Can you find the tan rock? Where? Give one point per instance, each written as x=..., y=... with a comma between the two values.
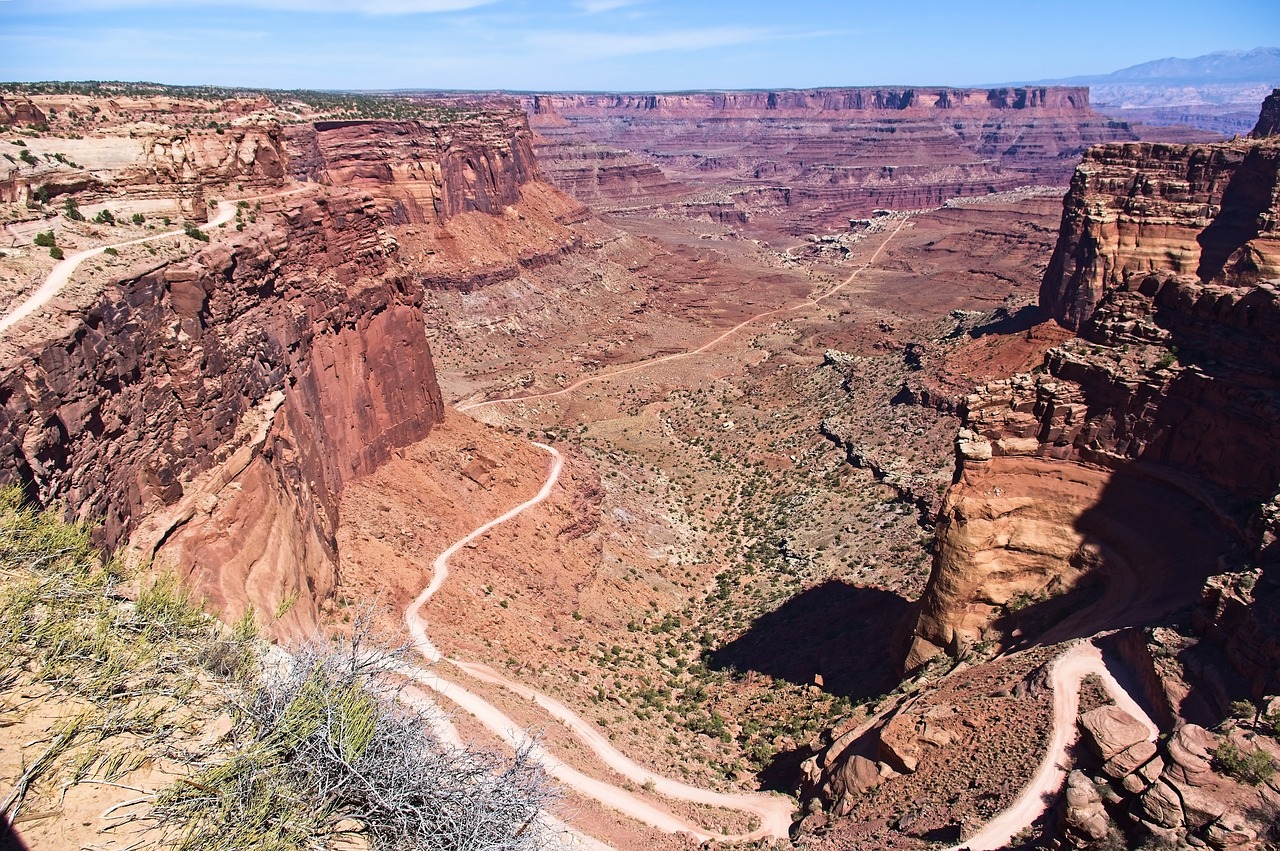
x=1110, y=730
x=1189, y=751
x=1130, y=759
x=1161, y=806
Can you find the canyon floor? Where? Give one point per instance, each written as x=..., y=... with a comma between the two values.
x=695, y=582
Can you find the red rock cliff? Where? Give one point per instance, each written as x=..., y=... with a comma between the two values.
x=140, y=410
x=1207, y=210
x=211, y=410
x=1105, y=491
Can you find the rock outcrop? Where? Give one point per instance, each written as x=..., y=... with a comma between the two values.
x=1104, y=491
x=811, y=159
x=1133, y=209
x=1269, y=119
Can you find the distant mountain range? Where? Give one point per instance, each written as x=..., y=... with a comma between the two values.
x=1219, y=92
x=1260, y=65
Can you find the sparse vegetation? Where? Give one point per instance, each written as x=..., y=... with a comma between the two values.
x=191, y=230
x=317, y=752
x=45, y=239
x=72, y=211
x=1254, y=767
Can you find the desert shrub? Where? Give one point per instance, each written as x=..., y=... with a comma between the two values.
x=193, y=231
x=322, y=746
x=138, y=218
x=1254, y=767
x=325, y=747
x=104, y=217
x=72, y=211
x=45, y=240
x=56, y=253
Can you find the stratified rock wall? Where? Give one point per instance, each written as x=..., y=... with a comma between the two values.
x=210, y=411
x=1207, y=210
x=1147, y=455
x=160, y=384
x=811, y=159
x=419, y=172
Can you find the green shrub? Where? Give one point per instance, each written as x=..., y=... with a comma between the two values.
x=191, y=230
x=45, y=240
x=56, y=253
x=72, y=211
x=104, y=217
x=138, y=218
x=1254, y=767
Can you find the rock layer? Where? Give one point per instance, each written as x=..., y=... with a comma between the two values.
x=811, y=158
x=1207, y=210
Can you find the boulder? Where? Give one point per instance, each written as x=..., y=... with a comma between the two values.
x=1110, y=730
x=1161, y=806
x=1085, y=813
x=1130, y=759
x=1189, y=754
x=857, y=775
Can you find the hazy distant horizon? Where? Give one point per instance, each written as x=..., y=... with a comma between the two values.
x=605, y=45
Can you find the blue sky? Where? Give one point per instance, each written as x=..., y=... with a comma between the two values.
x=609, y=44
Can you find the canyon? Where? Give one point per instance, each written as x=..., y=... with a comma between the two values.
x=864, y=435
x=807, y=160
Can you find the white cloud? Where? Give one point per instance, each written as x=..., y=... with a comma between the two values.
x=366, y=7
x=594, y=7
x=597, y=45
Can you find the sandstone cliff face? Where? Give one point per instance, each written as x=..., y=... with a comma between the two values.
x=421, y=173
x=212, y=410
x=1161, y=418
x=171, y=373
x=811, y=159
x=1162, y=414
x=1207, y=210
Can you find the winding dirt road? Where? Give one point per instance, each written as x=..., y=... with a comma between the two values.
x=61, y=273
x=1069, y=671
x=812, y=301
x=774, y=811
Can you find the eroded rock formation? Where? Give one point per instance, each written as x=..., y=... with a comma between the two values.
x=1203, y=210
x=211, y=410
x=1164, y=407
x=811, y=159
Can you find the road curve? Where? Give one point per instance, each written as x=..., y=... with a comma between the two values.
x=645, y=364
x=62, y=272
x=1069, y=670
x=774, y=811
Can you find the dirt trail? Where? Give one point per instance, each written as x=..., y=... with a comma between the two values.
x=812, y=301
x=774, y=811
x=62, y=272
x=1069, y=670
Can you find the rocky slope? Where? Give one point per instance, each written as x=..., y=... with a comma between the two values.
x=813, y=157
x=211, y=409
x=1125, y=491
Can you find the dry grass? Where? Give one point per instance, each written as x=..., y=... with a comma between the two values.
x=320, y=748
